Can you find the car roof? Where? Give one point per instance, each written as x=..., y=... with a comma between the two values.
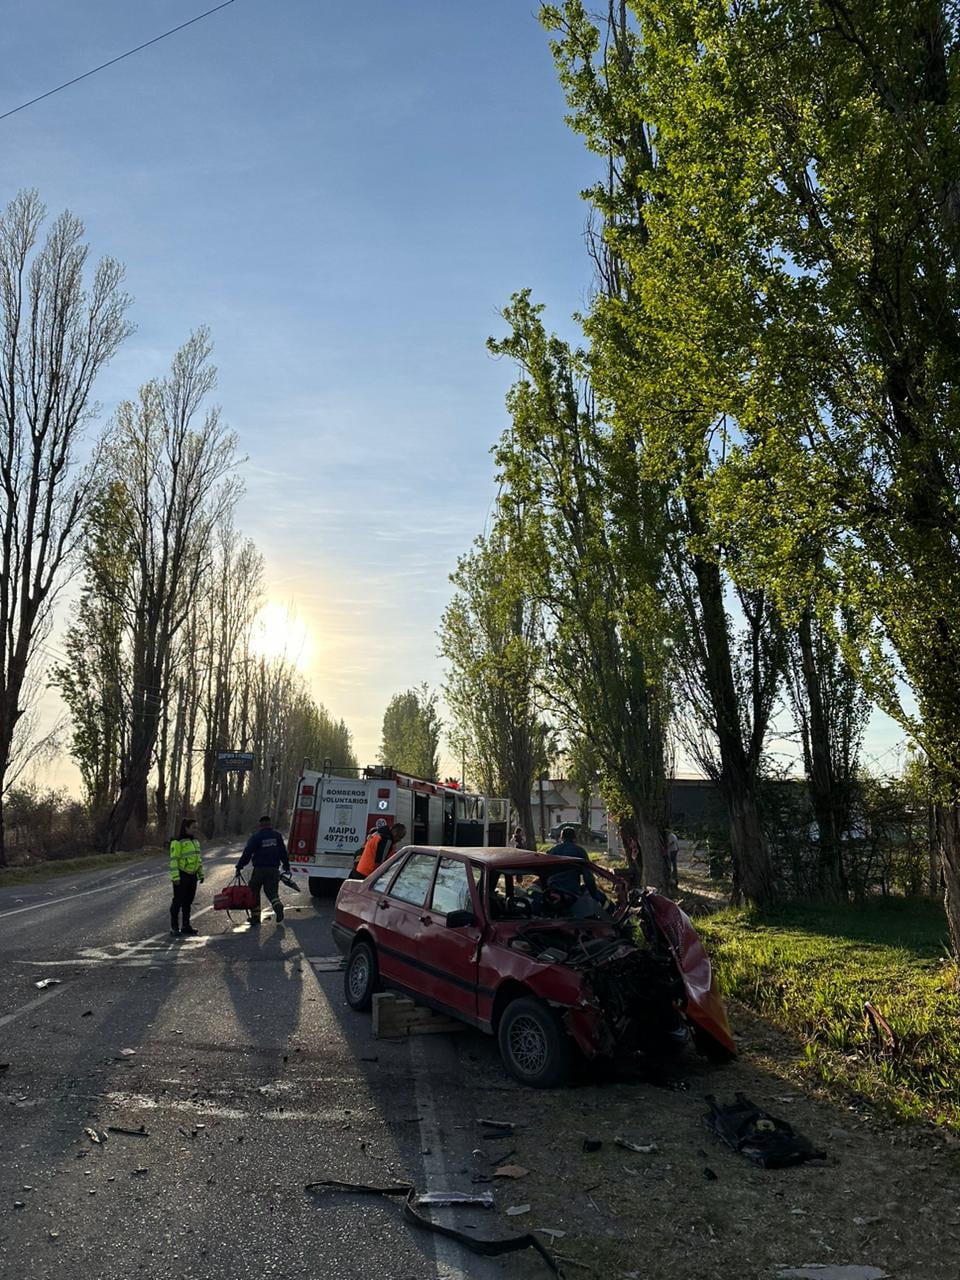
x=498, y=859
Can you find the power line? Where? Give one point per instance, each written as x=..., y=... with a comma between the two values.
x=119, y=58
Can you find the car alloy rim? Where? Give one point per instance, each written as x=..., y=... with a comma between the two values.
x=359, y=974
x=528, y=1044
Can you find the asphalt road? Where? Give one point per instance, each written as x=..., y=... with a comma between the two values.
x=237, y=1054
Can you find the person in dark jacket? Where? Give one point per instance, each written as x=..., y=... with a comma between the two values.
x=267, y=852
x=569, y=881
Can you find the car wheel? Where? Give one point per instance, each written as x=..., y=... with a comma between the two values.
x=534, y=1047
x=361, y=978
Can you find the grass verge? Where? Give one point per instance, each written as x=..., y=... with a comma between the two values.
x=57, y=868
x=811, y=969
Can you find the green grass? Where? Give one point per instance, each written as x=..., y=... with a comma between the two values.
x=56, y=868
x=810, y=969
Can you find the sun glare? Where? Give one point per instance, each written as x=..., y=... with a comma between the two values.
x=278, y=633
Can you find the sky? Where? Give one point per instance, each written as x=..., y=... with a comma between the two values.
x=346, y=196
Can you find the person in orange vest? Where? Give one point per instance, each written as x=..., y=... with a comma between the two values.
x=381, y=842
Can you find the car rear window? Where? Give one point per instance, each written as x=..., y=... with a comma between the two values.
x=451, y=892
x=413, y=882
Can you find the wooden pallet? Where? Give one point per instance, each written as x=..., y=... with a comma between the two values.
x=395, y=1015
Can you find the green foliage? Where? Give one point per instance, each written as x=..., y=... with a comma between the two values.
x=411, y=733
x=588, y=536
x=811, y=969
x=491, y=635
x=95, y=685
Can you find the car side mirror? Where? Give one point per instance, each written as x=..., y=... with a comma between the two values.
x=459, y=919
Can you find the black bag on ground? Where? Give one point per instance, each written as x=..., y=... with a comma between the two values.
x=762, y=1138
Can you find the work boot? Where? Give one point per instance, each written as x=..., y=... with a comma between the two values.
x=278, y=911
x=190, y=931
x=254, y=922
x=174, y=933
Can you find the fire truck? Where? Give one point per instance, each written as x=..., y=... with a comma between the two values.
x=333, y=816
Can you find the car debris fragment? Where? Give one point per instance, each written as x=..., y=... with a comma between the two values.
x=831, y=1271
x=48, y=982
x=487, y=1248
x=510, y=1171
x=483, y=1199
x=641, y=1148
x=764, y=1139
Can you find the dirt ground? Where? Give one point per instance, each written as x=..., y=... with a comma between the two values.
x=885, y=1196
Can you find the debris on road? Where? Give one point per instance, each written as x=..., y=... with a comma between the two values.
x=592, y=1144
x=127, y=1053
x=515, y=1210
x=48, y=982
x=497, y=1128
x=128, y=1133
x=488, y=1248
x=641, y=1148
x=831, y=1271
x=93, y=1136
x=764, y=1139
x=511, y=1171
x=483, y=1199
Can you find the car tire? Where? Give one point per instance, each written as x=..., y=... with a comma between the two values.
x=533, y=1045
x=361, y=978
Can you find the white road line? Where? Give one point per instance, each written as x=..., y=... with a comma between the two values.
x=451, y=1257
x=52, y=902
x=101, y=964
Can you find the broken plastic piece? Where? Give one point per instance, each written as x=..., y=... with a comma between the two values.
x=592, y=1144
x=643, y=1149
x=831, y=1271
x=516, y=1209
x=129, y=1133
x=482, y=1198
x=93, y=1136
x=511, y=1171
x=488, y=1248
x=47, y=982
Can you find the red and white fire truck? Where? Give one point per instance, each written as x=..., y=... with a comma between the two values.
x=333, y=816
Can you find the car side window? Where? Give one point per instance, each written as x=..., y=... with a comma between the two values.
x=451, y=892
x=379, y=882
x=413, y=882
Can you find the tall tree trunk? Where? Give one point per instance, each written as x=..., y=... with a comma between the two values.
x=753, y=875
x=753, y=879
x=948, y=840
x=820, y=772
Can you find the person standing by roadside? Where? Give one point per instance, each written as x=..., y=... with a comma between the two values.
x=186, y=872
x=518, y=840
x=267, y=852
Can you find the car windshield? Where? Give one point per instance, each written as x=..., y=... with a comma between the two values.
x=561, y=893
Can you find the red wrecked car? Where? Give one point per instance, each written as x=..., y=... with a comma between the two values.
x=524, y=946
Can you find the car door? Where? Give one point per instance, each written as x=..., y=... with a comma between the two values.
x=397, y=916
x=449, y=956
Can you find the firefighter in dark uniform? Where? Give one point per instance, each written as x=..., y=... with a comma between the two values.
x=267, y=852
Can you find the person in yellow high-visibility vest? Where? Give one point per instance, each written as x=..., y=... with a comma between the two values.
x=186, y=872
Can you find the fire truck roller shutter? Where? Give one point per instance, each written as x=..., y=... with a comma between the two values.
x=435, y=835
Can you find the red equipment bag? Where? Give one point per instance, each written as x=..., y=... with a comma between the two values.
x=235, y=897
